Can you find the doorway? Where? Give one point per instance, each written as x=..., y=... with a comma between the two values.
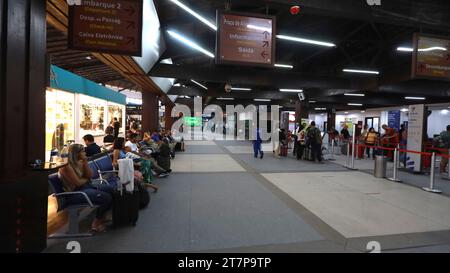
x=373, y=122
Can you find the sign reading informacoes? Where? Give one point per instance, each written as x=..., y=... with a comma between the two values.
x=415, y=134
x=109, y=26
x=244, y=39
x=432, y=58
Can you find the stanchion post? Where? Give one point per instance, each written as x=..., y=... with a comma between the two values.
x=396, y=160
x=432, y=176
x=398, y=156
x=352, y=166
x=332, y=150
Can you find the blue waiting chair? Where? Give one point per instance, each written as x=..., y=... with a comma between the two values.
x=106, y=171
x=72, y=209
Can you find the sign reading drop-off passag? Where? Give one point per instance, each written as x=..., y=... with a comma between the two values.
x=108, y=26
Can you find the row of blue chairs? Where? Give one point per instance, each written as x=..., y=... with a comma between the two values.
x=103, y=172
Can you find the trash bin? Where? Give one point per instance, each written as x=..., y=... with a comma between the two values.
x=380, y=166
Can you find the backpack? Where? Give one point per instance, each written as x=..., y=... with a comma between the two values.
x=144, y=196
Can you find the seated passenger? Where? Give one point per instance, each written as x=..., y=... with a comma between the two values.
x=109, y=138
x=76, y=176
x=164, y=156
x=91, y=147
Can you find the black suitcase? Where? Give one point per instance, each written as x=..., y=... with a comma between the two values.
x=125, y=210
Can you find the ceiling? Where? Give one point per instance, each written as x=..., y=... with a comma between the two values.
x=366, y=37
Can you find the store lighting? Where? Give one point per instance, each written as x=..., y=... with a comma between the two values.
x=361, y=71
x=404, y=110
x=241, y=89
x=262, y=100
x=259, y=28
x=354, y=104
x=415, y=98
x=354, y=95
x=225, y=98
x=408, y=49
x=320, y=109
x=201, y=85
x=190, y=43
x=195, y=14
x=346, y=113
x=306, y=41
x=444, y=112
x=363, y=112
x=89, y=58
x=284, y=66
x=292, y=90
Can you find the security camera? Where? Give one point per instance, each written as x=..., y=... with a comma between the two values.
x=301, y=96
x=228, y=88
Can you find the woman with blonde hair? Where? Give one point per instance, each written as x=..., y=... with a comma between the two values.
x=76, y=176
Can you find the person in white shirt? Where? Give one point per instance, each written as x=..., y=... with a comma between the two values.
x=131, y=145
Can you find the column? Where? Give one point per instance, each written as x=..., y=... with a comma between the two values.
x=301, y=111
x=150, y=119
x=331, y=119
x=23, y=80
x=169, y=120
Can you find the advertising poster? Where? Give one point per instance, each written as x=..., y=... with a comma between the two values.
x=394, y=119
x=415, y=134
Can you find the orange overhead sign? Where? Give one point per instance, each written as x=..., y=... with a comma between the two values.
x=109, y=26
x=245, y=39
x=431, y=57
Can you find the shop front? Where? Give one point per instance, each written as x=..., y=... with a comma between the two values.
x=76, y=107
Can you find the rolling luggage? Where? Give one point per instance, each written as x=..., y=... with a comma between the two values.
x=125, y=210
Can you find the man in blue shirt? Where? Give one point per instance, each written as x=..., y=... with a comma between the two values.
x=91, y=148
x=257, y=145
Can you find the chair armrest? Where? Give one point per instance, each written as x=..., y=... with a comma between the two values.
x=100, y=172
x=74, y=193
x=100, y=180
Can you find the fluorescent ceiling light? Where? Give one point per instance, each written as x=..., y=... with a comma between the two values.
x=408, y=49
x=320, y=109
x=284, y=66
x=225, y=98
x=195, y=14
x=259, y=28
x=404, y=110
x=190, y=43
x=363, y=111
x=354, y=104
x=241, y=89
x=415, y=98
x=346, y=113
x=201, y=85
x=89, y=58
x=361, y=71
x=262, y=100
x=306, y=41
x=292, y=90
x=354, y=95
x=312, y=101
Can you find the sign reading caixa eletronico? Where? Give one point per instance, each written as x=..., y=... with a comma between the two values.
x=107, y=26
x=431, y=57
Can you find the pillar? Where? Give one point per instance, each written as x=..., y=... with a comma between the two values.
x=331, y=119
x=23, y=73
x=150, y=112
x=301, y=111
x=168, y=119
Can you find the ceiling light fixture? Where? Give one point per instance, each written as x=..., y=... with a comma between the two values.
x=405, y=110
x=346, y=113
x=241, y=89
x=306, y=41
x=89, y=58
x=190, y=43
x=361, y=71
x=354, y=95
x=262, y=100
x=320, y=109
x=354, y=104
x=195, y=14
x=284, y=66
x=312, y=101
x=225, y=98
x=292, y=90
x=201, y=85
x=408, y=49
x=415, y=98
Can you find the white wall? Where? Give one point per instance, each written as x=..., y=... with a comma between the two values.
x=438, y=121
x=319, y=119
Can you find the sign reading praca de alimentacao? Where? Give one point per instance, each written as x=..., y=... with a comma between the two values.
x=245, y=39
x=107, y=26
x=431, y=57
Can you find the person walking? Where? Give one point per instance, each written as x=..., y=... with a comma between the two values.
x=257, y=145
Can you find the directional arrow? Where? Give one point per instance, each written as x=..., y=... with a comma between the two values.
x=131, y=40
x=131, y=24
x=264, y=54
x=131, y=10
x=266, y=33
x=266, y=44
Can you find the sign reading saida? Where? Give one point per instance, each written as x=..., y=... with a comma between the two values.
x=431, y=57
x=245, y=39
x=108, y=26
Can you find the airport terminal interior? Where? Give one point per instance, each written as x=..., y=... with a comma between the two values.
x=207, y=126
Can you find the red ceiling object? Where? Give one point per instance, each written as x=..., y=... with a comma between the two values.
x=295, y=10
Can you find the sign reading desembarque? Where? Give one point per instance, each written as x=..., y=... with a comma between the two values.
x=245, y=39
x=109, y=26
x=431, y=57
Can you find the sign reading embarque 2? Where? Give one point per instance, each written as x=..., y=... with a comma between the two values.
x=245, y=39
x=108, y=26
